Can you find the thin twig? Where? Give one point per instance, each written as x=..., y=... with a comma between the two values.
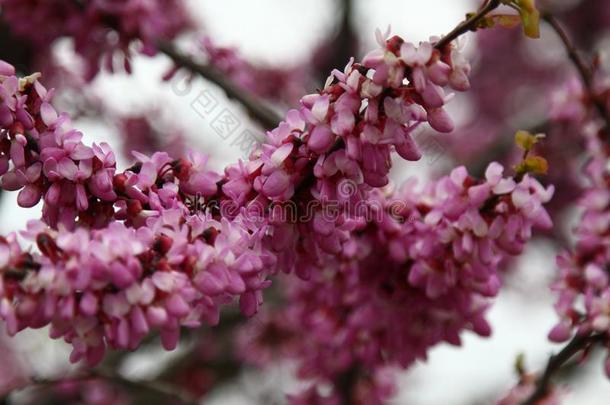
x=256, y=107
x=469, y=24
x=557, y=361
x=583, y=69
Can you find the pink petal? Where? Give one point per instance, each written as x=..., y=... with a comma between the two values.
x=17, y=154
x=6, y=115
x=13, y=181
x=169, y=338
x=82, y=152
x=6, y=69
x=5, y=255
x=156, y=316
x=408, y=149
x=560, y=332
x=176, y=306
x=321, y=139
x=67, y=169
x=248, y=304
x=29, y=196
x=493, y=174
x=48, y=114
x=276, y=184
x=440, y=120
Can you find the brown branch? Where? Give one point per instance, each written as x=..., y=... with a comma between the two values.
x=152, y=387
x=557, y=361
x=335, y=53
x=257, y=108
x=470, y=24
x=584, y=71
x=345, y=384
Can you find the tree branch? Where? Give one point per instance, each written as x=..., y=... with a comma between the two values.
x=257, y=108
x=469, y=24
x=345, y=384
x=557, y=361
x=335, y=53
x=584, y=71
x=152, y=387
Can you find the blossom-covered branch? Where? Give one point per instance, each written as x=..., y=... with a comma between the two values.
x=164, y=243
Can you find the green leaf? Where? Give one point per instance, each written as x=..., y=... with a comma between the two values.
x=530, y=17
x=531, y=23
x=507, y=20
x=526, y=140
x=533, y=164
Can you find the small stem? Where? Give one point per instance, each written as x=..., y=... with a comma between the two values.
x=557, y=361
x=255, y=107
x=469, y=24
x=583, y=70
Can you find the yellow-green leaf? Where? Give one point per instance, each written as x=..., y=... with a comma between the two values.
x=520, y=364
x=507, y=20
x=533, y=164
x=526, y=140
x=26, y=81
x=531, y=23
x=487, y=22
x=528, y=5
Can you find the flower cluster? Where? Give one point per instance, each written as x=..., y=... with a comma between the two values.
x=153, y=261
x=98, y=27
x=342, y=139
x=583, y=286
x=179, y=259
x=43, y=158
x=419, y=274
x=112, y=286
